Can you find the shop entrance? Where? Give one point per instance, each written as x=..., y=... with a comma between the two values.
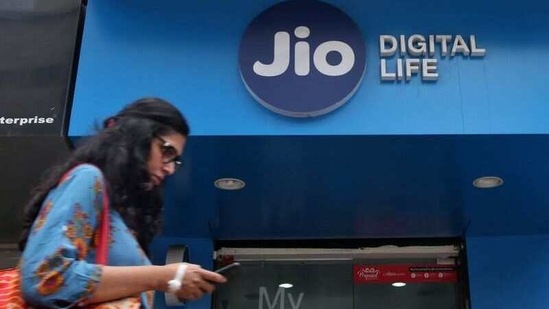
x=386, y=277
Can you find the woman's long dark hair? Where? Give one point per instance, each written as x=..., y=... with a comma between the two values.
x=121, y=151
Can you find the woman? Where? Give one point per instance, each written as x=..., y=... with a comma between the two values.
x=130, y=157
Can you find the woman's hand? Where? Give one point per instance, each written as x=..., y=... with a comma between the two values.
x=123, y=281
x=196, y=282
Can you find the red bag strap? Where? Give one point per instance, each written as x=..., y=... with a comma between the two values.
x=104, y=229
x=102, y=252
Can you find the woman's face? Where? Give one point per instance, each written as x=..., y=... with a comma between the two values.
x=164, y=157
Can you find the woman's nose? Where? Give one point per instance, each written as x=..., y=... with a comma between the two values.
x=169, y=168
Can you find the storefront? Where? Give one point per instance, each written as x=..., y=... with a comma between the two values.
x=378, y=277
x=347, y=120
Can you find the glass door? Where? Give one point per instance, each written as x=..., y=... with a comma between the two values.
x=340, y=279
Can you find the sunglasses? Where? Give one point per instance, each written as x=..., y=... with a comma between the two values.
x=169, y=153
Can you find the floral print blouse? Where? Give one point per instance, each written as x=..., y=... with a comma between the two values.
x=57, y=266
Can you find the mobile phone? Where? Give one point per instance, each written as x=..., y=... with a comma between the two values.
x=226, y=269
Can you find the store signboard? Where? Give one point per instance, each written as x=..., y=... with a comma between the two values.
x=36, y=64
x=404, y=273
x=302, y=58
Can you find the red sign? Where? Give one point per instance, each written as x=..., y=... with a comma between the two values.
x=404, y=273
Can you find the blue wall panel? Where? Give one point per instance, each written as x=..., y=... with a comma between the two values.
x=508, y=272
x=186, y=51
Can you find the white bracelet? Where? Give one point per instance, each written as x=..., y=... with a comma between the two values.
x=175, y=284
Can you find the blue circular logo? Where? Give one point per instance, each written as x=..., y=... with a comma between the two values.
x=302, y=58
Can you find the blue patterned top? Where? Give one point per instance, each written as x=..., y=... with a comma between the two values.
x=57, y=266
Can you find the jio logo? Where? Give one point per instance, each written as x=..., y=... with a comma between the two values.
x=302, y=58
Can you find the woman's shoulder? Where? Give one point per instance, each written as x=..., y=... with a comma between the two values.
x=84, y=171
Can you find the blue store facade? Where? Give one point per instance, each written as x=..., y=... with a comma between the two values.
x=331, y=138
